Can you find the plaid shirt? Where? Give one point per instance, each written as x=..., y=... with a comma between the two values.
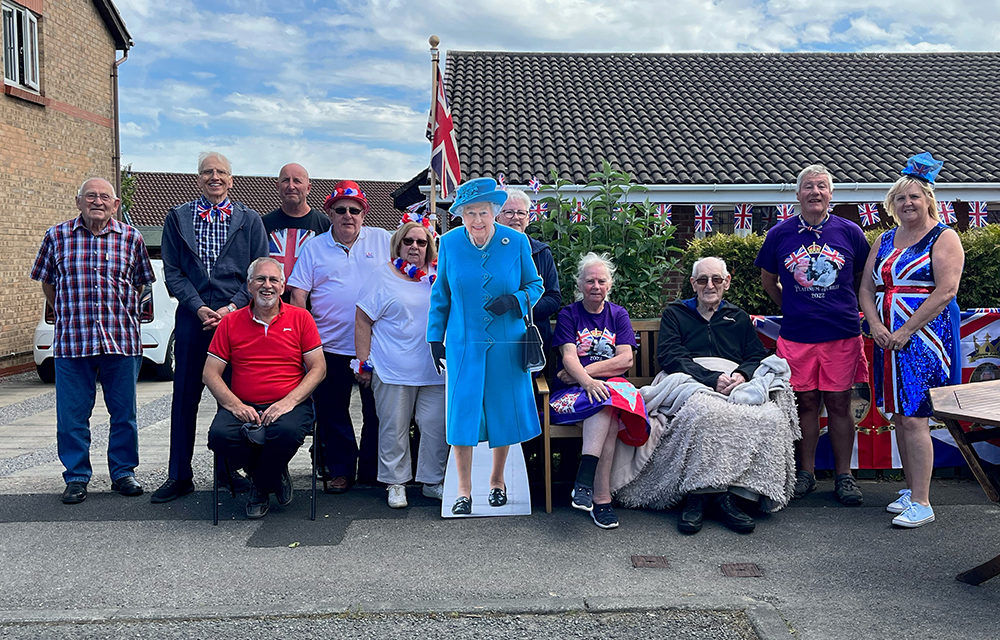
x=210, y=232
x=98, y=281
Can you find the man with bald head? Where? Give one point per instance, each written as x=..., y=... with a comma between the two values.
x=208, y=244
x=93, y=269
x=293, y=223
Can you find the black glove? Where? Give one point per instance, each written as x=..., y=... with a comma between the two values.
x=502, y=304
x=437, y=355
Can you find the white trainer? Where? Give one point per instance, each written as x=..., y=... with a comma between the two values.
x=435, y=491
x=397, y=496
x=916, y=515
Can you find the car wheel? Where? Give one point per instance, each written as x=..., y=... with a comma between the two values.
x=46, y=371
x=165, y=371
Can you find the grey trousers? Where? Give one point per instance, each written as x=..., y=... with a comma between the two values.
x=397, y=405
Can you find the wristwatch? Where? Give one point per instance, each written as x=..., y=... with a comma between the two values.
x=231, y=307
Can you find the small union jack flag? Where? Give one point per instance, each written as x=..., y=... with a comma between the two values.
x=664, y=213
x=538, y=210
x=703, y=218
x=793, y=258
x=785, y=211
x=501, y=180
x=977, y=213
x=743, y=217
x=946, y=209
x=833, y=256
x=577, y=214
x=535, y=184
x=868, y=212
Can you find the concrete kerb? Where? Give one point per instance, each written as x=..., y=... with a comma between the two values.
x=764, y=617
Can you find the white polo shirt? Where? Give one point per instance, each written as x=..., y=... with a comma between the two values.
x=335, y=279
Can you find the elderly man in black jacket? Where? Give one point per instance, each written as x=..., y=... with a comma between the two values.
x=708, y=326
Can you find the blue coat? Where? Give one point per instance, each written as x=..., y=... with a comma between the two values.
x=489, y=396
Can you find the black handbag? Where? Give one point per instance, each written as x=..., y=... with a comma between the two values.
x=534, y=353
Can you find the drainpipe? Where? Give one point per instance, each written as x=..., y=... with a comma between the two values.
x=117, y=157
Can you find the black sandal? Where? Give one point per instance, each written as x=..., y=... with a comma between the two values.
x=462, y=506
x=498, y=497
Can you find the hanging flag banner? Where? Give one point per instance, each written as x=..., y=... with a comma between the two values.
x=785, y=211
x=577, y=214
x=743, y=218
x=663, y=213
x=946, y=210
x=501, y=180
x=534, y=184
x=977, y=213
x=868, y=212
x=703, y=218
x=538, y=211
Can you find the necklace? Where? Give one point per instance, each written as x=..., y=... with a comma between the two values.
x=412, y=271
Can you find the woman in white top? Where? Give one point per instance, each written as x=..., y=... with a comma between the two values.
x=390, y=325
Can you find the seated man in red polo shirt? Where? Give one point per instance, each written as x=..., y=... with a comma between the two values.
x=277, y=360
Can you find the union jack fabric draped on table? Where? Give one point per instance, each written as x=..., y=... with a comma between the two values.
x=703, y=218
x=868, y=212
x=785, y=211
x=743, y=217
x=664, y=213
x=946, y=210
x=537, y=211
x=977, y=213
x=534, y=184
x=444, y=147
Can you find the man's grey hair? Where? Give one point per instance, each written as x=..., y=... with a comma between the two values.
x=814, y=169
x=588, y=260
x=253, y=267
x=79, y=192
x=697, y=263
x=205, y=155
x=518, y=195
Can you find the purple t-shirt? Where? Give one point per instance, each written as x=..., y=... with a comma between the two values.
x=596, y=335
x=818, y=300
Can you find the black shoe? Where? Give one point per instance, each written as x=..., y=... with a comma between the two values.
x=285, y=494
x=234, y=480
x=127, y=486
x=692, y=513
x=731, y=515
x=258, y=504
x=462, y=506
x=75, y=493
x=171, y=490
x=498, y=497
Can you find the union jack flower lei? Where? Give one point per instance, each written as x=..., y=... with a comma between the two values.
x=411, y=271
x=358, y=366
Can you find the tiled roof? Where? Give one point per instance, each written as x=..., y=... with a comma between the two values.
x=157, y=192
x=724, y=118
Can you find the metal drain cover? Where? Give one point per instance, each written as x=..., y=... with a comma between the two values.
x=742, y=570
x=649, y=562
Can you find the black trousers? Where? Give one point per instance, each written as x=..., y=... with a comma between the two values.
x=190, y=350
x=338, y=446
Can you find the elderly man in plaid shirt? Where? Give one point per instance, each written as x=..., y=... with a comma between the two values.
x=92, y=270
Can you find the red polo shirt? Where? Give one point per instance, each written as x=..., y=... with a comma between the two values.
x=266, y=360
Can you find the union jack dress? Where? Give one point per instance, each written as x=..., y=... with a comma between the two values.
x=904, y=278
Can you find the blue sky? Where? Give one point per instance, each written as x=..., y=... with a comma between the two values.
x=344, y=88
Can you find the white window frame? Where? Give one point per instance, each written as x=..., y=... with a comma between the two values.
x=20, y=58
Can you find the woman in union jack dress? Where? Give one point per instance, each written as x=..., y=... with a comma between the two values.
x=909, y=303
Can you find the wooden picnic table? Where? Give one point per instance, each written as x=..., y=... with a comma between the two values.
x=977, y=402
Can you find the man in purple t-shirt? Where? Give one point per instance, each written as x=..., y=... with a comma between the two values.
x=810, y=266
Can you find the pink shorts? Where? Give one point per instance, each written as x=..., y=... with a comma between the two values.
x=828, y=366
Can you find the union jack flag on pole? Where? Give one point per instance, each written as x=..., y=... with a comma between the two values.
x=977, y=213
x=538, y=210
x=703, y=218
x=535, y=184
x=444, y=147
x=664, y=213
x=868, y=212
x=743, y=217
x=785, y=211
x=946, y=209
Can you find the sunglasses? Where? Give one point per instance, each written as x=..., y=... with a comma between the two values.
x=355, y=211
x=409, y=242
x=703, y=280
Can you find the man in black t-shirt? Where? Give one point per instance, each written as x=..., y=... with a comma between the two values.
x=294, y=222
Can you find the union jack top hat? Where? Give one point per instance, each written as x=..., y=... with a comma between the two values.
x=923, y=167
x=346, y=189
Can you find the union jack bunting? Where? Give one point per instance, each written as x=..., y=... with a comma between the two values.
x=977, y=213
x=868, y=212
x=946, y=209
x=501, y=180
x=743, y=217
x=444, y=147
x=538, y=210
x=664, y=213
x=703, y=218
x=535, y=184
x=577, y=215
x=785, y=211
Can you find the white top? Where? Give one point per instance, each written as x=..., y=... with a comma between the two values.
x=335, y=278
x=400, y=353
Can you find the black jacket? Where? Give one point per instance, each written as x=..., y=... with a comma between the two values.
x=551, y=299
x=685, y=335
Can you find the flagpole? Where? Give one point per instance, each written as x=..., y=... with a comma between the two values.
x=435, y=57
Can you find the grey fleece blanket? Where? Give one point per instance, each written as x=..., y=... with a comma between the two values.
x=701, y=439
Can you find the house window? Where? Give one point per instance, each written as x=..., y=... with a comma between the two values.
x=20, y=46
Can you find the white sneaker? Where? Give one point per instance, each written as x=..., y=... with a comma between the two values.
x=900, y=504
x=397, y=496
x=435, y=491
x=915, y=515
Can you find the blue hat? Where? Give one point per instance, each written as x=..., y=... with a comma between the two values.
x=477, y=190
x=923, y=167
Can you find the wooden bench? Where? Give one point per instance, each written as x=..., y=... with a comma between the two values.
x=644, y=369
x=977, y=402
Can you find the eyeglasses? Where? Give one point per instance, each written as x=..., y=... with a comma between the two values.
x=262, y=280
x=703, y=280
x=209, y=172
x=355, y=211
x=510, y=214
x=94, y=197
x=420, y=242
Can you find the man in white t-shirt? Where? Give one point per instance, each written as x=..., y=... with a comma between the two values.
x=331, y=273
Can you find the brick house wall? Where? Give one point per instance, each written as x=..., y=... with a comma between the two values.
x=50, y=142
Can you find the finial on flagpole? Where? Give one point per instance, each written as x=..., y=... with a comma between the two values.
x=434, y=41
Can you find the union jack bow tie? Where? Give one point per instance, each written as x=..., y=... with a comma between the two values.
x=817, y=229
x=211, y=212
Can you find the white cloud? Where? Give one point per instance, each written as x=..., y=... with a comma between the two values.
x=133, y=130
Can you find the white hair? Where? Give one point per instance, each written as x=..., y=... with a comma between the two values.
x=79, y=192
x=814, y=169
x=259, y=261
x=590, y=259
x=205, y=155
x=518, y=195
x=697, y=263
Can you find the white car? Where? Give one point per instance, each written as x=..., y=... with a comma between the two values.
x=157, y=318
